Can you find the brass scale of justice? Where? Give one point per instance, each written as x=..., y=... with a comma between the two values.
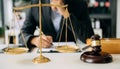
x=41, y=58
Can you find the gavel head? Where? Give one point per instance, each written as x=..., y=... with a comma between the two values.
x=95, y=37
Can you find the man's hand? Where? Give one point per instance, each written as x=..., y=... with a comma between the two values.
x=60, y=10
x=46, y=41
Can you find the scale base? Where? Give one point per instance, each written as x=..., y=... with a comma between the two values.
x=40, y=59
x=89, y=57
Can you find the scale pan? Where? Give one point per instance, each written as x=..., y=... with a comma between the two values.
x=15, y=51
x=67, y=49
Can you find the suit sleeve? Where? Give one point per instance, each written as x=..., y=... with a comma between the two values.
x=28, y=30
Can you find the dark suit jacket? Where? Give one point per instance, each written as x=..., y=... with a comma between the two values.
x=79, y=18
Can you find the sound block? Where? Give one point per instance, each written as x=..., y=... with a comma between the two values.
x=90, y=57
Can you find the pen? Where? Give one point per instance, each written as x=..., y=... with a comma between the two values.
x=53, y=51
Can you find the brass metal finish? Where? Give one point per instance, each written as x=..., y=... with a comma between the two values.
x=40, y=59
x=96, y=55
x=95, y=43
x=37, y=5
x=15, y=51
x=67, y=49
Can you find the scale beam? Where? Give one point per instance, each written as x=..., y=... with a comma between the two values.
x=37, y=5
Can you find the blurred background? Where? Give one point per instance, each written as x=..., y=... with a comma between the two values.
x=104, y=14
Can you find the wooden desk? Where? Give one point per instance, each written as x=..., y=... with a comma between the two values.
x=58, y=61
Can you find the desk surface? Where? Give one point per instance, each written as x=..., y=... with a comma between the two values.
x=58, y=61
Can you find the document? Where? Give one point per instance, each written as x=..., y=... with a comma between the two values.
x=55, y=44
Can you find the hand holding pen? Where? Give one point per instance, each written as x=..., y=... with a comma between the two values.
x=46, y=41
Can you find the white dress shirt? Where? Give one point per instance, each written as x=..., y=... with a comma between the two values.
x=56, y=19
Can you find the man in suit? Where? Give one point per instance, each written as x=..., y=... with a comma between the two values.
x=52, y=22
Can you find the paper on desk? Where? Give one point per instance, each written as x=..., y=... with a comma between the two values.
x=58, y=44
